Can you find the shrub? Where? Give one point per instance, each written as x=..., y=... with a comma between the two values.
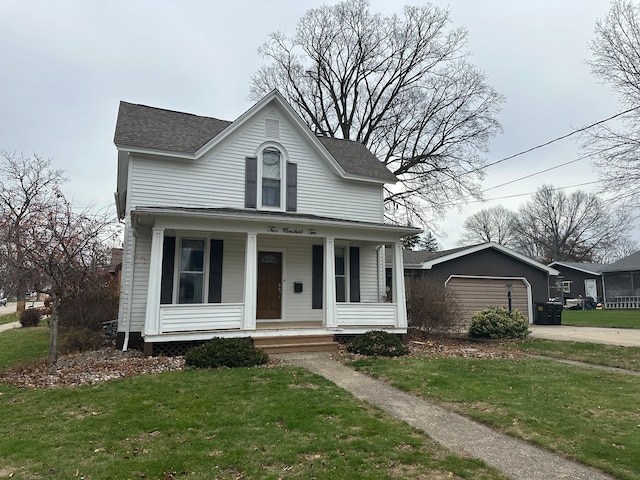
x=30, y=317
x=378, y=343
x=226, y=352
x=76, y=340
x=497, y=322
x=430, y=308
x=95, y=303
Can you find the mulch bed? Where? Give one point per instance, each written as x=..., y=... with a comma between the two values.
x=92, y=367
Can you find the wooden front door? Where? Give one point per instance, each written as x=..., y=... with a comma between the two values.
x=269, y=301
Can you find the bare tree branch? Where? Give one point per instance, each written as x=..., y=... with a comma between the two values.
x=399, y=85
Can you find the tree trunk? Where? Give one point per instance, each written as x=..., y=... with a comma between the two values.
x=53, y=326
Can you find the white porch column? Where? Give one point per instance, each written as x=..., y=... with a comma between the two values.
x=330, y=320
x=250, y=281
x=399, y=295
x=152, y=315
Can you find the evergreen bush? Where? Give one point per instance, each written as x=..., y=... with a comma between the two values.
x=226, y=352
x=498, y=322
x=378, y=343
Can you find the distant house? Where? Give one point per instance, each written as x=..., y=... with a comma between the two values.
x=485, y=275
x=616, y=284
x=255, y=227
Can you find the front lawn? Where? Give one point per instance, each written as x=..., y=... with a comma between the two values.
x=264, y=422
x=602, y=318
x=608, y=355
x=586, y=414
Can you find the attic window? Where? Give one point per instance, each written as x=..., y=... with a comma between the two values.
x=272, y=127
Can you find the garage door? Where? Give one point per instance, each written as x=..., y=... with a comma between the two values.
x=476, y=293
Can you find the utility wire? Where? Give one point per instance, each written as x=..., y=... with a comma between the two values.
x=557, y=139
x=524, y=194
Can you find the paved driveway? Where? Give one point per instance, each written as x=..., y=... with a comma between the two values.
x=611, y=336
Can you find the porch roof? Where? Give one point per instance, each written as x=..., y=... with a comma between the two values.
x=144, y=215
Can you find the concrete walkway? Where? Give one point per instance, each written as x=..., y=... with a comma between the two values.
x=626, y=337
x=516, y=459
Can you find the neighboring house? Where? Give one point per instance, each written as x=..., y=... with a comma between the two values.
x=616, y=284
x=485, y=275
x=255, y=227
x=578, y=280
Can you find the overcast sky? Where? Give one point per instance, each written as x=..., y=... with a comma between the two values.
x=65, y=65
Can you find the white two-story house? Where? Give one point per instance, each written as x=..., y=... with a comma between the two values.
x=252, y=228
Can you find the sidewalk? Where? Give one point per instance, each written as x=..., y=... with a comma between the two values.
x=9, y=326
x=625, y=337
x=516, y=459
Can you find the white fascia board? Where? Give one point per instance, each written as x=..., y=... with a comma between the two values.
x=476, y=248
x=155, y=152
x=389, y=232
x=573, y=267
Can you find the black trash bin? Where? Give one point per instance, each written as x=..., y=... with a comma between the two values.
x=548, y=313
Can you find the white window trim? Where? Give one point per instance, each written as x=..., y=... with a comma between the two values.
x=347, y=271
x=205, y=268
x=283, y=177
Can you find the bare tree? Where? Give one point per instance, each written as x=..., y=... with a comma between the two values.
x=29, y=187
x=495, y=224
x=616, y=62
x=399, y=85
x=623, y=248
x=575, y=227
x=43, y=242
x=68, y=249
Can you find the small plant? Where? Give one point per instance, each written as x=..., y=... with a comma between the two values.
x=498, y=322
x=76, y=340
x=226, y=352
x=378, y=343
x=30, y=317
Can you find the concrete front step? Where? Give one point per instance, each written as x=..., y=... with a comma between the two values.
x=296, y=343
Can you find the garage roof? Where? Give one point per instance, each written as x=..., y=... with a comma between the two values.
x=425, y=260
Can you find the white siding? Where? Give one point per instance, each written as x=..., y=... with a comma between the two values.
x=202, y=317
x=232, y=266
x=217, y=179
x=369, y=275
x=140, y=280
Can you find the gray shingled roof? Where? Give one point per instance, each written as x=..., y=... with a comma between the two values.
x=141, y=126
x=154, y=128
x=355, y=158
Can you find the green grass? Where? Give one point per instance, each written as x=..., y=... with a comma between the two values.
x=9, y=318
x=263, y=423
x=602, y=318
x=586, y=414
x=608, y=355
x=23, y=345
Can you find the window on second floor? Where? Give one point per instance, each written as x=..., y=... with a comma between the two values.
x=271, y=182
x=271, y=177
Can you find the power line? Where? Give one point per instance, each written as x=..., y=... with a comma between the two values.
x=557, y=139
x=525, y=194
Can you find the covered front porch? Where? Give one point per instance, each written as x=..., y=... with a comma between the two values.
x=275, y=277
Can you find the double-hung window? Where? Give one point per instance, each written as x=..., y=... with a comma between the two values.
x=191, y=276
x=341, y=274
x=191, y=270
x=271, y=177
